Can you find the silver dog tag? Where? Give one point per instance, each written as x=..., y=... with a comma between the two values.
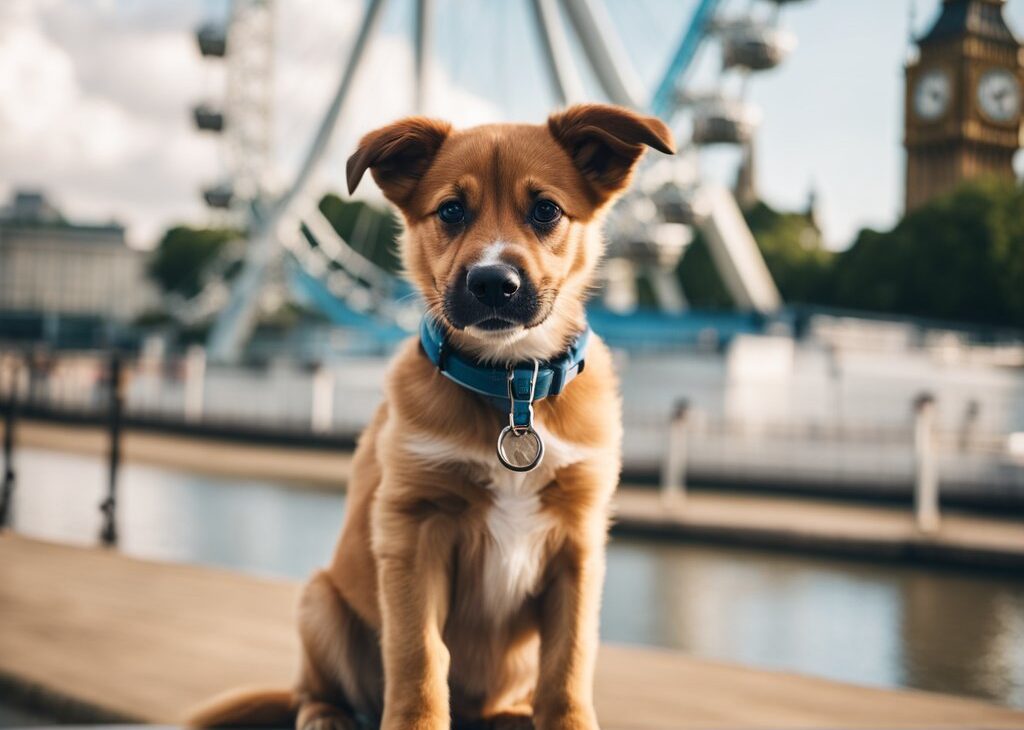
x=520, y=449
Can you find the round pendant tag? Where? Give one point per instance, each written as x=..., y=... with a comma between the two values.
x=520, y=451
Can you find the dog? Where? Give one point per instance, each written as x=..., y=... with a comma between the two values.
x=465, y=587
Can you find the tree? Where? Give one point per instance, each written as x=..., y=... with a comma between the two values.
x=958, y=257
x=792, y=250
x=699, y=278
x=371, y=231
x=180, y=259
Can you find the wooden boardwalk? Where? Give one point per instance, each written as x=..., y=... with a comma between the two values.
x=144, y=641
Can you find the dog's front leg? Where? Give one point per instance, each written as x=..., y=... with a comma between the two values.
x=569, y=637
x=412, y=561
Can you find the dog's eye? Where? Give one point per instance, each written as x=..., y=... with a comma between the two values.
x=451, y=212
x=545, y=212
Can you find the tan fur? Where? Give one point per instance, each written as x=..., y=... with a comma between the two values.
x=400, y=627
x=252, y=707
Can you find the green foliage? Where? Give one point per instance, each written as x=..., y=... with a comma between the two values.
x=958, y=257
x=182, y=257
x=178, y=263
x=791, y=246
x=792, y=249
x=371, y=231
x=701, y=283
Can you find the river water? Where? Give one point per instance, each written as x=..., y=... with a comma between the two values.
x=886, y=625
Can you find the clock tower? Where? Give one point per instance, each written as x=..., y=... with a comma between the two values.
x=963, y=100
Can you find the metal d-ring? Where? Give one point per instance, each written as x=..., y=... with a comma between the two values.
x=522, y=436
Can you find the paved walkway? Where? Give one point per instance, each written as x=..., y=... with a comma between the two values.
x=317, y=467
x=866, y=530
x=145, y=641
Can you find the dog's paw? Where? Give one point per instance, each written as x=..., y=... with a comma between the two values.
x=415, y=720
x=578, y=718
x=511, y=722
x=322, y=716
x=332, y=722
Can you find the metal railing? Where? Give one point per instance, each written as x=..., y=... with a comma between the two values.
x=901, y=447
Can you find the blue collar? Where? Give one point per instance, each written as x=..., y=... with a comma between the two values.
x=511, y=389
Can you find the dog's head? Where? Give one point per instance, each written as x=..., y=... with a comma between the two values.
x=503, y=221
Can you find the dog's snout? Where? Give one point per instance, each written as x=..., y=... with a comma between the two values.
x=493, y=285
x=491, y=295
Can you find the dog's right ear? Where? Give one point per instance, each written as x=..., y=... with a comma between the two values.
x=605, y=143
x=397, y=156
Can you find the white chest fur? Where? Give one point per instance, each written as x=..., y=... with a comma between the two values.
x=517, y=527
x=518, y=530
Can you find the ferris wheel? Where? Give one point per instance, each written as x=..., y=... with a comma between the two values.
x=576, y=42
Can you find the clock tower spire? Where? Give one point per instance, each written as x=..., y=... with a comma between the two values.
x=963, y=100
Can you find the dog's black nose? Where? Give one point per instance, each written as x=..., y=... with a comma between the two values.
x=493, y=284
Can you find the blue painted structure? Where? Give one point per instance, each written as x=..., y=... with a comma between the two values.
x=645, y=330
x=661, y=102
x=315, y=293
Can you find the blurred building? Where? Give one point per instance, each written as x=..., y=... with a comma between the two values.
x=52, y=269
x=963, y=100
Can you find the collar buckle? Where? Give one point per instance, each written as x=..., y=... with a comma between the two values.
x=520, y=448
x=520, y=412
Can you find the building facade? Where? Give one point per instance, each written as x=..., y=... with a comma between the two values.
x=963, y=100
x=52, y=267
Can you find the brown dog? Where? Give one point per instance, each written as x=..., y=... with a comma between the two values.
x=463, y=592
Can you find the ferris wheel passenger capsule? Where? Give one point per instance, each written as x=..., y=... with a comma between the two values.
x=680, y=205
x=208, y=118
x=724, y=122
x=213, y=40
x=756, y=48
x=219, y=196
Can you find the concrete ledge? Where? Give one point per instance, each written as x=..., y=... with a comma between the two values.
x=855, y=529
x=823, y=526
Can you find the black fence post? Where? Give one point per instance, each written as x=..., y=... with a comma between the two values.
x=108, y=507
x=10, y=420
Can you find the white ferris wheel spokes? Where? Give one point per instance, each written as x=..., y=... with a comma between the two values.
x=647, y=236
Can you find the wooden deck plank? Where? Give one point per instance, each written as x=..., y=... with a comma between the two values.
x=147, y=640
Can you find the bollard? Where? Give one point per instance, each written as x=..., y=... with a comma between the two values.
x=322, y=406
x=195, y=382
x=151, y=367
x=108, y=507
x=673, y=471
x=926, y=474
x=969, y=424
x=10, y=421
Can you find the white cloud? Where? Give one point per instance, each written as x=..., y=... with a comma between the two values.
x=96, y=114
x=95, y=102
x=307, y=74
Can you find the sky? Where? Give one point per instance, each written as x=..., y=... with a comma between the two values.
x=95, y=96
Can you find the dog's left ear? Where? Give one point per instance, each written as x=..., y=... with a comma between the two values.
x=605, y=142
x=397, y=155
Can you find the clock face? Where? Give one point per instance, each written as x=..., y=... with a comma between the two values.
x=999, y=95
x=933, y=93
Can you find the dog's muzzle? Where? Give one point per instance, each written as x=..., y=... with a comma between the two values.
x=491, y=297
